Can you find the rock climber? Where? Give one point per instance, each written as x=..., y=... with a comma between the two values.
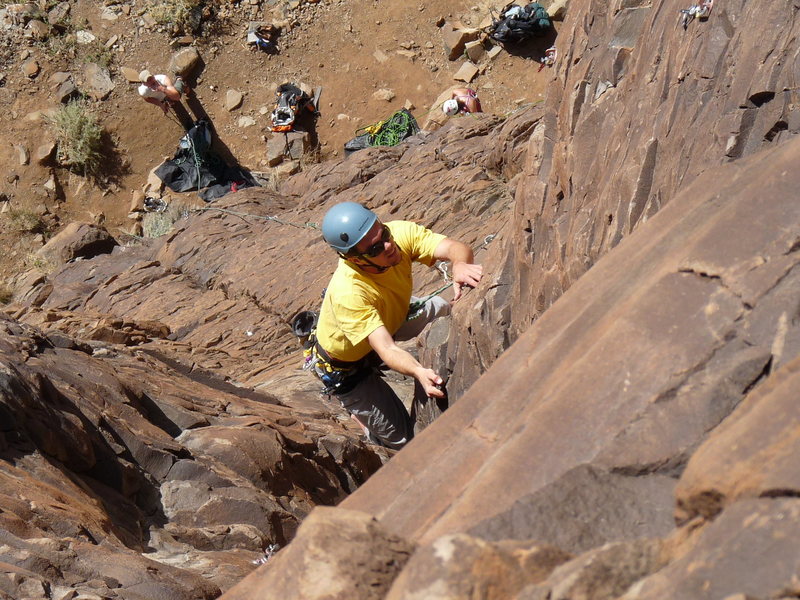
x=462, y=100
x=364, y=314
x=160, y=90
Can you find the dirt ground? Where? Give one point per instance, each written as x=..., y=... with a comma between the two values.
x=350, y=48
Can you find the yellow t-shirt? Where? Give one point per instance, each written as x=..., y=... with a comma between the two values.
x=357, y=303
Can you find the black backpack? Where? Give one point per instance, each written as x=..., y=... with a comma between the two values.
x=517, y=24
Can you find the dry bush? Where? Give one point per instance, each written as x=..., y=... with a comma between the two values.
x=80, y=138
x=156, y=224
x=24, y=221
x=183, y=16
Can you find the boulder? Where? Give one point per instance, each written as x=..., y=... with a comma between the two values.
x=336, y=554
x=37, y=30
x=97, y=81
x=186, y=63
x=475, y=50
x=292, y=145
x=752, y=454
x=30, y=68
x=384, y=94
x=44, y=153
x=23, y=156
x=85, y=37
x=67, y=91
x=749, y=549
x=286, y=168
x=59, y=13
x=130, y=75
x=455, y=36
x=605, y=572
x=77, y=240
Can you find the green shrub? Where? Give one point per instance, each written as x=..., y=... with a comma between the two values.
x=181, y=15
x=79, y=137
x=97, y=53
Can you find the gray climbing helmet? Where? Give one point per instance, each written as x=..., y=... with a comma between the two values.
x=345, y=224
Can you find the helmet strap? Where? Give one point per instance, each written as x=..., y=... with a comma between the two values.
x=378, y=268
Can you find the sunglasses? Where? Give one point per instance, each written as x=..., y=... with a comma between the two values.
x=376, y=249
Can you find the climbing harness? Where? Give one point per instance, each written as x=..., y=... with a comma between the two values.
x=290, y=100
x=338, y=377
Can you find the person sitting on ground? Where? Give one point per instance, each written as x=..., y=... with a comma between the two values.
x=462, y=100
x=365, y=312
x=160, y=90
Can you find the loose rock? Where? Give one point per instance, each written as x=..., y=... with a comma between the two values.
x=31, y=68
x=384, y=94
x=85, y=37
x=45, y=152
x=233, y=99
x=466, y=73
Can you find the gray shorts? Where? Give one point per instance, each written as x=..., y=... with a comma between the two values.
x=373, y=401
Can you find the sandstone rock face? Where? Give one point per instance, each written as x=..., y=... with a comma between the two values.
x=337, y=554
x=752, y=453
x=626, y=372
x=637, y=315
x=156, y=503
x=637, y=109
x=449, y=567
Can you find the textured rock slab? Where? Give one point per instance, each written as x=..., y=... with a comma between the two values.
x=453, y=567
x=622, y=347
x=337, y=554
x=750, y=549
x=585, y=508
x=601, y=574
x=95, y=471
x=752, y=454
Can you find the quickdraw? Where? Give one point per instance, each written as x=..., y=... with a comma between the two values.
x=415, y=308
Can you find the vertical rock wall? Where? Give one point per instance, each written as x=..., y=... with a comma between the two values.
x=637, y=108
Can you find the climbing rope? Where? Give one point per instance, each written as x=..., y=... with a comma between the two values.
x=273, y=218
x=390, y=134
x=415, y=308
